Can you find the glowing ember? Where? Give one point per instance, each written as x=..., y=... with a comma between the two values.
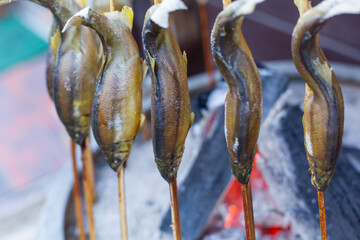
x=269, y=224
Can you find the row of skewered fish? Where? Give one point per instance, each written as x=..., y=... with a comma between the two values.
x=103, y=85
x=97, y=81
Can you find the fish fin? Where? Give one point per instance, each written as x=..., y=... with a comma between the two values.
x=185, y=60
x=102, y=68
x=55, y=42
x=126, y=16
x=185, y=57
x=152, y=62
x=142, y=120
x=152, y=67
x=144, y=69
x=192, y=118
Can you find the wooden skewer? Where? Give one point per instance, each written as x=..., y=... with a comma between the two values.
x=88, y=191
x=246, y=194
x=322, y=215
x=146, y=131
x=112, y=8
x=205, y=42
x=226, y=3
x=248, y=211
x=77, y=195
x=175, y=214
x=122, y=203
x=91, y=170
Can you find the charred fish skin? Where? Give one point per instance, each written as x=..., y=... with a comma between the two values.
x=243, y=104
x=171, y=118
x=323, y=119
x=117, y=107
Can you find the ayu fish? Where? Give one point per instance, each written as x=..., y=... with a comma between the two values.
x=171, y=118
x=243, y=104
x=117, y=109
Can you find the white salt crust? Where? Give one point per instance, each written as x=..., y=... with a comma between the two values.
x=84, y=13
x=161, y=13
x=243, y=7
x=337, y=7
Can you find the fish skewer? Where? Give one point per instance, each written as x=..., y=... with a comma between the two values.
x=171, y=118
x=117, y=107
x=72, y=92
x=323, y=119
x=75, y=71
x=50, y=65
x=243, y=104
x=78, y=62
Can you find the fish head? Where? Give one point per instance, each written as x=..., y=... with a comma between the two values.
x=78, y=133
x=118, y=154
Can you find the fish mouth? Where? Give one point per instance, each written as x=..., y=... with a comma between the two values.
x=78, y=134
x=168, y=168
x=118, y=154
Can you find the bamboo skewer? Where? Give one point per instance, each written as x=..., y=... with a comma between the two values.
x=112, y=8
x=77, y=195
x=88, y=190
x=322, y=215
x=146, y=131
x=175, y=214
x=205, y=42
x=122, y=203
x=91, y=170
x=248, y=211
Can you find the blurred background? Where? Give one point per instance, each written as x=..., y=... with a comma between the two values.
x=34, y=145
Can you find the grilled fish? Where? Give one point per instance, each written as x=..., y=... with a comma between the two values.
x=117, y=107
x=323, y=119
x=243, y=104
x=171, y=118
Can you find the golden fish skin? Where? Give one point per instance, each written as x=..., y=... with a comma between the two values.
x=243, y=104
x=323, y=119
x=171, y=118
x=75, y=78
x=117, y=107
x=77, y=63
